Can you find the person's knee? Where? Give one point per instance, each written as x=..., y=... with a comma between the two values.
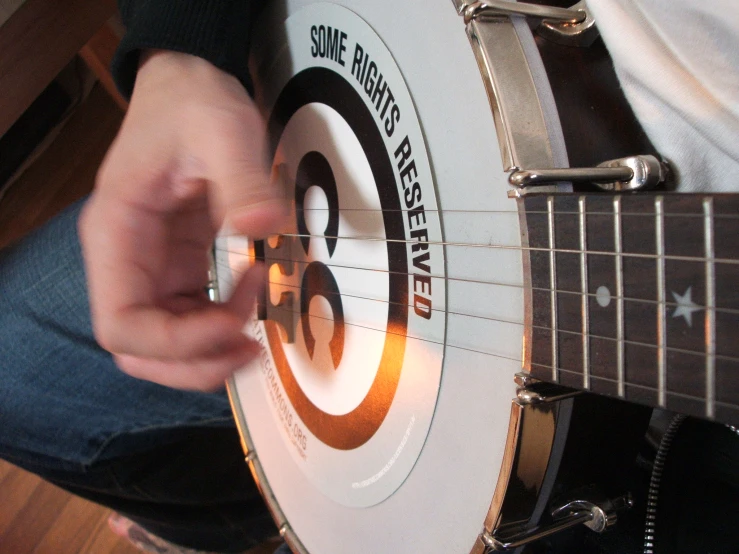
x=42, y=279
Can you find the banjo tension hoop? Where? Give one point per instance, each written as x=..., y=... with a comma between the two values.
x=594, y=511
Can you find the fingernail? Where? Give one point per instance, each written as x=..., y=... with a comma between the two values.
x=260, y=219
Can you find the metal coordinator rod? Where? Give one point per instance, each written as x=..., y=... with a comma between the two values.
x=533, y=177
x=499, y=543
x=504, y=7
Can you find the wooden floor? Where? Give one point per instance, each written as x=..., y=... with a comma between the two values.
x=39, y=518
x=36, y=517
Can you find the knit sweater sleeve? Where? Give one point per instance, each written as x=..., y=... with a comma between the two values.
x=216, y=30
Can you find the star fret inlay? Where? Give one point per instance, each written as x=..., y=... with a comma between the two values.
x=685, y=306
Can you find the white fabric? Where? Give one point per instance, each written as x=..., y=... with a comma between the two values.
x=678, y=63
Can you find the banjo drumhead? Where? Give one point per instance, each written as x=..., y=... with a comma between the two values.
x=379, y=408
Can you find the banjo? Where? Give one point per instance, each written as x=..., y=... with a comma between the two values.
x=452, y=292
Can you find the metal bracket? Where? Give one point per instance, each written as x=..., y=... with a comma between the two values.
x=619, y=175
x=494, y=8
x=581, y=33
x=597, y=513
x=533, y=391
x=211, y=289
x=572, y=26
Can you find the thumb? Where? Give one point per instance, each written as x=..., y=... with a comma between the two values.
x=251, y=201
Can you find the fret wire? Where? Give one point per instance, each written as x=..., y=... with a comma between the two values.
x=561, y=369
x=585, y=297
x=710, y=315
x=504, y=247
x=661, y=308
x=647, y=388
x=553, y=286
x=668, y=303
x=631, y=214
x=618, y=248
x=510, y=322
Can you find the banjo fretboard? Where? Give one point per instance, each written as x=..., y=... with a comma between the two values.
x=636, y=296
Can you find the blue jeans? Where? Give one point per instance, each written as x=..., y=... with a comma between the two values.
x=168, y=459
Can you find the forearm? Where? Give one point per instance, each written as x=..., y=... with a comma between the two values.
x=215, y=30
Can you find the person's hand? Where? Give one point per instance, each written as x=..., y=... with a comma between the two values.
x=190, y=154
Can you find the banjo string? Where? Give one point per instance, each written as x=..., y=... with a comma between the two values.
x=517, y=360
x=667, y=303
x=510, y=322
x=514, y=248
x=541, y=212
x=457, y=244
x=521, y=324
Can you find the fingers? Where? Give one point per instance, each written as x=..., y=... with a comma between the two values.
x=204, y=355
x=244, y=295
x=243, y=189
x=205, y=374
x=155, y=332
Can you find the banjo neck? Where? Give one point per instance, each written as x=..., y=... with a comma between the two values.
x=635, y=296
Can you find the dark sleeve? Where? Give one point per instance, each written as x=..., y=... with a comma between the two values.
x=216, y=30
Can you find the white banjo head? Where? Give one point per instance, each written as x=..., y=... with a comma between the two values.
x=380, y=407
